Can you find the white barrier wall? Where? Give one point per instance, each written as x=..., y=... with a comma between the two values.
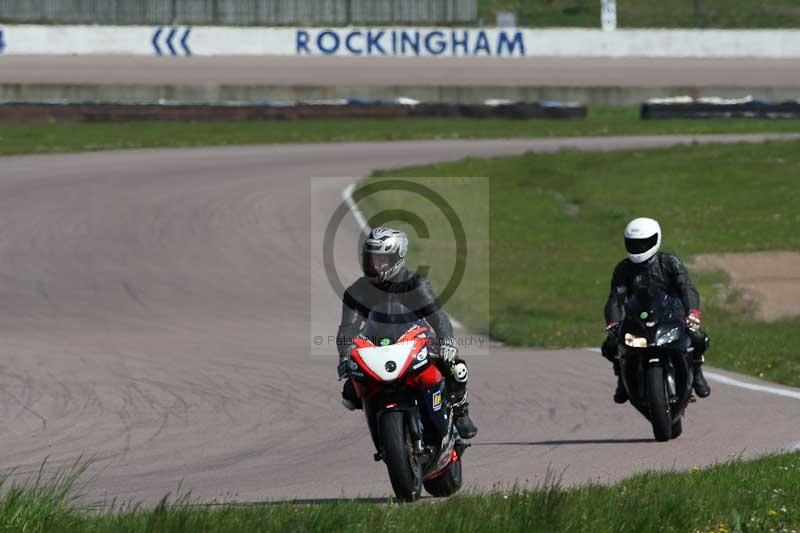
x=405, y=42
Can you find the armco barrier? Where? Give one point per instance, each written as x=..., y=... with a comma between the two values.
x=29, y=112
x=718, y=108
x=465, y=94
x=397, y=41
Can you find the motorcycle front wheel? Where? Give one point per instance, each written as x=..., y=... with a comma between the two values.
x=660, y=415
x=398, y=454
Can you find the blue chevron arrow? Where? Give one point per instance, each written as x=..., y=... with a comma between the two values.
x=2, y=41
x=185, y=43
x=170, y=36
x=154, y=40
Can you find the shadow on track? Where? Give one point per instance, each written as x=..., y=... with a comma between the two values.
x=565, y=442
x=301, y=502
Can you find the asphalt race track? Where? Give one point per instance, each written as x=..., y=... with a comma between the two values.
x=292, y=71
x=155, y=315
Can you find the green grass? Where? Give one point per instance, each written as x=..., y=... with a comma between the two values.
x=73, y=137
x=556, y=222
x=649, y=13
x=752, y=496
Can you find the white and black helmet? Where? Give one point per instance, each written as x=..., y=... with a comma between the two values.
x=642, y=239
x=383, y=254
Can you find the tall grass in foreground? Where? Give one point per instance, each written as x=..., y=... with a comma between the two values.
x=42, y=501
x=752, y=496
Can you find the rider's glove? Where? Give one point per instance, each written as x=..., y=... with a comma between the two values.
x=344, y=367
x=448, y=352
x=694, y=318
x=611, y=326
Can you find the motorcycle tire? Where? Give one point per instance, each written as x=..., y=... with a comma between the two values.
x=446, y=484
x=677, y=427
x=660, y=416
x=404, y=470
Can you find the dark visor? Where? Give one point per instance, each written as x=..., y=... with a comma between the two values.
x=374, y=264
x=640, y=246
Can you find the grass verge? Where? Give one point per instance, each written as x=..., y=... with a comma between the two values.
x=752, y=496
x=74, y=137
x=555, y=226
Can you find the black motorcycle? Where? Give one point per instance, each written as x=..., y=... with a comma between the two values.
x=654, y=352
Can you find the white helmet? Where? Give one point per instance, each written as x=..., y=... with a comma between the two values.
x=383, y=254
x=642, y=239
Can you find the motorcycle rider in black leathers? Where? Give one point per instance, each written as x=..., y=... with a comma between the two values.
x=386, y=277
x=646, y=267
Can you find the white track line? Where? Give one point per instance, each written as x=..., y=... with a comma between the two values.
x=361, y=221
x=720, y=378
x=347, y=196
x=752, y=386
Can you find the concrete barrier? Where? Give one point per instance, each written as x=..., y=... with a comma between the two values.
x=400, y=42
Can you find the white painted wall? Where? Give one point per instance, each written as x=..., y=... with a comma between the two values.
x=137, y=40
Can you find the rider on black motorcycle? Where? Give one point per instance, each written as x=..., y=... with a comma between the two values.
x=646, y=267
x=386, y=277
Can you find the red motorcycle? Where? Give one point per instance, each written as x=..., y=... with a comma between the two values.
x=406, y=404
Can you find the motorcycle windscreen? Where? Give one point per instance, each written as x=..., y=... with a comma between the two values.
x=652, y=304
x=387, y=362
x=647, y=313
x=388, y=321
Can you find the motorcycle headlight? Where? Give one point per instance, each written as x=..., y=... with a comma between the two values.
x=668, y=337
x=635, y=342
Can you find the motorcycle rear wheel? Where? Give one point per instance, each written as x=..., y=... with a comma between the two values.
x=398, y=454
x=447, y=483
x=660, y=416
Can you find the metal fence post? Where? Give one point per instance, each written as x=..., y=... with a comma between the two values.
x=608, y=16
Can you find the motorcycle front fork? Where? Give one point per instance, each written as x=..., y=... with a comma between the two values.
x=672, y=389
x=415, y=428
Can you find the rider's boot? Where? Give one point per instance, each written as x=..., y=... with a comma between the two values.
x=458, y=399
x=466, y=428
x=350, y=399
x=621, y=394
x=699, y=384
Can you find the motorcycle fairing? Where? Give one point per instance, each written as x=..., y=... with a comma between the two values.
x=386, y=363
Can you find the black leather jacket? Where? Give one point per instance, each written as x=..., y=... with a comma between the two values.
x=663, y=271
x=409, y=288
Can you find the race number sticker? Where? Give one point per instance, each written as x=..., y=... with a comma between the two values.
x=437, y=400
